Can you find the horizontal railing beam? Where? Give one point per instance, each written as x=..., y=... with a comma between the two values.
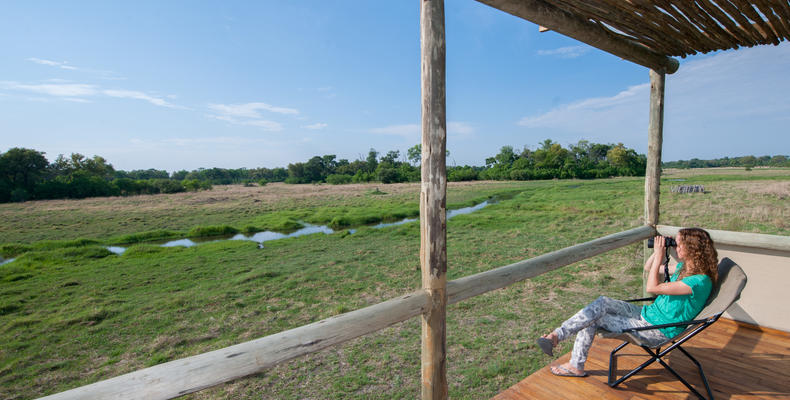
x=474, y=285
x=187, y=375
x=746, y=239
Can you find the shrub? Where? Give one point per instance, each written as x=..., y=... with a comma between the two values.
x=362, y=176
x=167, y=186
x=462, y=174
x=338, y=179
x=520, y=175
x=19, y=195
x=388, y=175
x=193, y=185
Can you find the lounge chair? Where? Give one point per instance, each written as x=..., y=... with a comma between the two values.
x=727, y=290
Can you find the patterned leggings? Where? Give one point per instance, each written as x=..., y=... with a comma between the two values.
x=610, y=314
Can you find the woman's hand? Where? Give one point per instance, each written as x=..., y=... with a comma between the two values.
x=659, y=245
x=658, y=253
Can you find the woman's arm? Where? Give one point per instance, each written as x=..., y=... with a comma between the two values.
x=672, y=266
x=653, y=286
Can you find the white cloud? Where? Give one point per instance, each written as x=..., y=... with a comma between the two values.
x=133, y=94
x=578, y=115
x=565, y=52
x=53, y=89
x=407, y=130
x=714, y=106
x=459, y=129
x=249, y=110
x=454, y=128
x=76, y=92
x=108, y=75
x=261, y=123
x=316, y=126
x=249, y=114
x=58, y=64
x=217, y=140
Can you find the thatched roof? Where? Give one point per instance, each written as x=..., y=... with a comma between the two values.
x=649, y=32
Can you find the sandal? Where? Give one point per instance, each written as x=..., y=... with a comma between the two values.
x=561, y=370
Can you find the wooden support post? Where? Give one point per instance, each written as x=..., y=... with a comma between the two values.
x=654, y=144
x=433, y=227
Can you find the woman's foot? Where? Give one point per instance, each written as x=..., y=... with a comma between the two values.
x=567, y=370
x=548, y=342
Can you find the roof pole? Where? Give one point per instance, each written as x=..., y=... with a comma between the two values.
x=433, y=226
x=654, y=143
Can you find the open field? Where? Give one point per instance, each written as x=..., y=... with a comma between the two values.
x=102, y=218
x=73, y=315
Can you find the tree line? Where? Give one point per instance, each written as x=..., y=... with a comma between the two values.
x=744, y=161
x=26, y=174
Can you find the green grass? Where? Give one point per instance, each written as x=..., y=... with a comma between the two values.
x=74, y=314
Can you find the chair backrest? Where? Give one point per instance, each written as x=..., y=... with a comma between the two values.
x=727, y=289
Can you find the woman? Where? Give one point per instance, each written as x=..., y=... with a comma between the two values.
x=681, y=299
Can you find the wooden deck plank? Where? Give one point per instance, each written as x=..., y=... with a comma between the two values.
x=740, y=362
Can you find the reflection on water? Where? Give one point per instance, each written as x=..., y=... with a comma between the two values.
x=266, y=236
x=2, y=261
x=179, y=242
x=466, y=210
x=308, y=229
x=401, y=222
x=116, y=249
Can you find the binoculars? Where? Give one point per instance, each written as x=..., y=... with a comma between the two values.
x=669, y=241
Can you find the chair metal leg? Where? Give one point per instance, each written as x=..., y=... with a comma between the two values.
x=701, y=372
x=656, y=356
x=613, y=369
x=613, y=363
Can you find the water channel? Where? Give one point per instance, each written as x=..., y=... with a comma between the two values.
x=308, y=229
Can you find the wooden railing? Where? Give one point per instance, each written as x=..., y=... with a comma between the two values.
x=191, y=374
x=766, y=261
x=746, y=239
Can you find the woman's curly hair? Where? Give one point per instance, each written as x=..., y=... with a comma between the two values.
x=701, y=255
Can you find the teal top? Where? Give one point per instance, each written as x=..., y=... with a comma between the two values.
x=668, y=309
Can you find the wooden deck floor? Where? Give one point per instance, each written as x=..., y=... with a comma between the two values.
x=740, y=361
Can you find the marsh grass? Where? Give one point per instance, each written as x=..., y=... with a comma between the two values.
x=208, y=231
x=74, y=315
x=278, y=207
x=150, y=236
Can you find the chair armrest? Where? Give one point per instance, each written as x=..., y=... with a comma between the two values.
x=660, y=326
x=642, y=299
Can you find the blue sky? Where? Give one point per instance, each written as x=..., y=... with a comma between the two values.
x=182, y=84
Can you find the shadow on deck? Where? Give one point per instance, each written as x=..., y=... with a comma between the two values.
x=740, y=361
